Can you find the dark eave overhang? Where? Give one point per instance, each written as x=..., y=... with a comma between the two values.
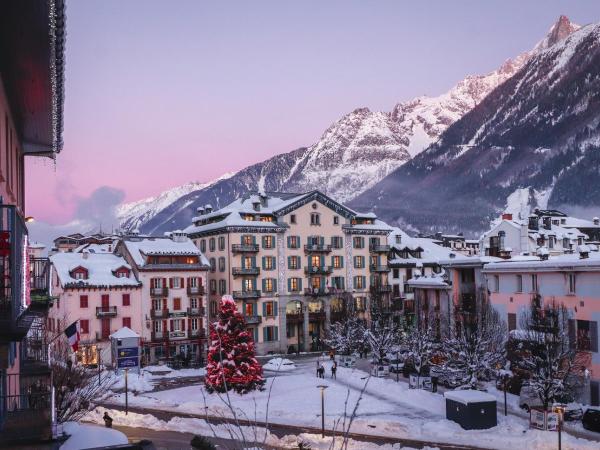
x=319, y=197
x=32, y=43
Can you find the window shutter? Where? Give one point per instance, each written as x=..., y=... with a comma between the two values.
x=298, y=241
x=332, y=261
x=264, y=285
x=264, y=264
x=572, y=334
x=274, y=284
x=242, y=239
x=275, y=312
x=288, y=241
x=299, y=284
x=264, y=309
x=289, y=285
x=182, y=324
x=265, y=334
x=341, y=262
x=594, y=336
x=164, y=282
x=289, y=261
x=322, y=240
x=182, y=282
x=253, y=262
x=172, y=326
x=276, y=333
x=274, y=262
x=170, y=282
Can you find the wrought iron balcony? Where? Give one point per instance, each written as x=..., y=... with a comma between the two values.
x=159, y=313
x=106, y=311
x=253, y=320
x=195, y=290
x=381, y=288
x=39, y=280
x=378, y=268
x=318, y=270
x=294, y=317
x=244, y=248
x=159, y=291
x=199, y=311
x=317, y=248
x=158, y=336
x=316, y=315
x=245, y=271
x=316, y=292
x=243, y=295
x=177, y=334
x=379, y=248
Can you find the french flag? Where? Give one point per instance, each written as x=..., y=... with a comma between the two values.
x=72, y=333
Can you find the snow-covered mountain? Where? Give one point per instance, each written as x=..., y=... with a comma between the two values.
x=352, y=155
x=533, y=141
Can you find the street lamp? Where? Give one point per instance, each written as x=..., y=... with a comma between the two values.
x=560, y=409
x=322, y=387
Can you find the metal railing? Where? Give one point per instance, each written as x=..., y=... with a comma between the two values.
x=199, y=311
x=39, y=279
x=159, y=313
x=106, y=311
x=315, y=292
x=253, y=320
x=379, y=268
x=379, y=248
x=241, y=271
x=318, y=270
x=309, y=248
x=195, y=290
x=246, y=294
x=243, y=248
x=159, y=291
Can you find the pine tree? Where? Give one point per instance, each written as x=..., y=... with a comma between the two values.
x=231, y=362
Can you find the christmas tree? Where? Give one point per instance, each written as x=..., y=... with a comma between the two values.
x=231, y=361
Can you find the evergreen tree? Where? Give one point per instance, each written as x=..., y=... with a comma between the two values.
x=231, y=361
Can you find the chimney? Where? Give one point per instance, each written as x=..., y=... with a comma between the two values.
x=596, y=221
x=547, y=223
x=200, y=210
x=178, y=236
x=507, y=216
x=584, y=251
x=208, y=208
x=533, y=222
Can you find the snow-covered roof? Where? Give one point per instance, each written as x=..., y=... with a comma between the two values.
x=431, y=252
x=161, y=246
x=570, y=261
x=575, y=222
x=100, y=268
x=36, y=245
x=434, y=281
x=124, y=333
x=467, y=396
x=376, y=225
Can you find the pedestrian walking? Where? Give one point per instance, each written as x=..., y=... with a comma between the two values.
x=334, y=370
x=321, y=371
x=107, y=420
x=318, y=369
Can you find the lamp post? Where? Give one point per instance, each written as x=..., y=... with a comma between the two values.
x=560, y=410
x=397, y=366
x=322, y=387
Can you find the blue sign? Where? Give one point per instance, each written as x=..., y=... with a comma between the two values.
x=125, y=363
x=128, y=352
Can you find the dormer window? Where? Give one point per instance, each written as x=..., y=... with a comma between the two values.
x=256, y=206
x=80, y=273
x=79, y=276
x=122, y=272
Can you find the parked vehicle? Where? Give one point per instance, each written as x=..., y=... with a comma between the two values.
x=347, y=361
x=380, y=370
x=396, y=365
x=573, y=412
x=448, y=376
x=528, y=398
x=591, y=419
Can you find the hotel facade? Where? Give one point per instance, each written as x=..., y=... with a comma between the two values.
x=294, y=263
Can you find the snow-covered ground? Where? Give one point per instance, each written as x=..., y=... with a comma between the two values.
x=385, y=408
x=84, y=436
x=149, y=376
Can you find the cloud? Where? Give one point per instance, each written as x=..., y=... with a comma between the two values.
x=92, y=214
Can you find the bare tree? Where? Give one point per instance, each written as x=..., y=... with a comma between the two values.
x=422, y=347
x=545, y=352
x=348, y=336
x=476, y=350
x=383, y=336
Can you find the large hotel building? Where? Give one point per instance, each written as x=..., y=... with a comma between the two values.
x=293, y=263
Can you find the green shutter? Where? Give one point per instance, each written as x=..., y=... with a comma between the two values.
x=263, y=263
x=299, y=262
x=274, y=285
x=274, y=262
x=276, y=333
x=289, y=284
x=322, y=240
x=265, y=334
x=322, y=260
x=288, y=241
x=299, y=284
x=264, y=308
x=298, y=241
x=275, y=309
x=289, y=262
x=341, y=262
x=364, y=280
x=263, y=285
x=253, y=262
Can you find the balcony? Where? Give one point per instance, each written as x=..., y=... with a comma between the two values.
x=378, y=268
x=159, y=292
x=381, y=289
x=245, y=271
x=294, y=317
x=316, y=292
x=317, y=248
x=200, y=311
x=316, y=316
x=253, y=320
x=159, y=313
x=318, y=270
x=379, y=248
x=244, y=248
x=158, y=336
x=195, y=290
x=244, y=295
x=408, y=306
x=40, y=280
x=199, y=333
x=106, y=311
x=26, y=417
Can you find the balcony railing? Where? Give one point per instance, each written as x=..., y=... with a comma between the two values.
x=317, y=248
x=294, y=317
x=318, y=270
x=39, y=279
x=379, y=248
x=195, y=290
x=245, y=271
x=14, y=320
x=253, y=320
x=106, y=311
x=177, y=334
x=316, y=292
x=158, y=336
x=200, y=311
x=159, y=291
x=242, y=295
x=199, y=333
x=159, y=313
x=316, y=315
x=381, y=288
x=244, y=248
x=378, y=268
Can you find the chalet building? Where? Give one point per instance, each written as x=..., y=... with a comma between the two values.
x=31, y=106
x=294, y=263
x=173, y=274
x=411, y=257
x=572, y=280
x=101, y=291
x=456, y=242
x=76, y=242
x=544, y=232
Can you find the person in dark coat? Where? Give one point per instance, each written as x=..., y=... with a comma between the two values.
x=334, y=370
x=107, y=420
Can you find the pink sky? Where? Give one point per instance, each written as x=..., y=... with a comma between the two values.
x=162, y=93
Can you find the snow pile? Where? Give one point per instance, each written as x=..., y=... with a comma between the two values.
x=159, y=372
x=279, y=365
x=91, y=436
x=135, y=383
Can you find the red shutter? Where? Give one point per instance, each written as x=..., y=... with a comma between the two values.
x=164, y=283
x=182, y=282
x=171, y=324
x=188, y=281
x=164, y=325
x=189, y=324
x=171, y=283
x=164, y=303
x=199, y=281
x=183, y=325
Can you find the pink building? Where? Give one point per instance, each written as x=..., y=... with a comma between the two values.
x=101, y=291
x=573, y=280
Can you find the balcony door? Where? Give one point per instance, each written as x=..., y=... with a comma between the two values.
x=105, y=303
x=105, y=327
